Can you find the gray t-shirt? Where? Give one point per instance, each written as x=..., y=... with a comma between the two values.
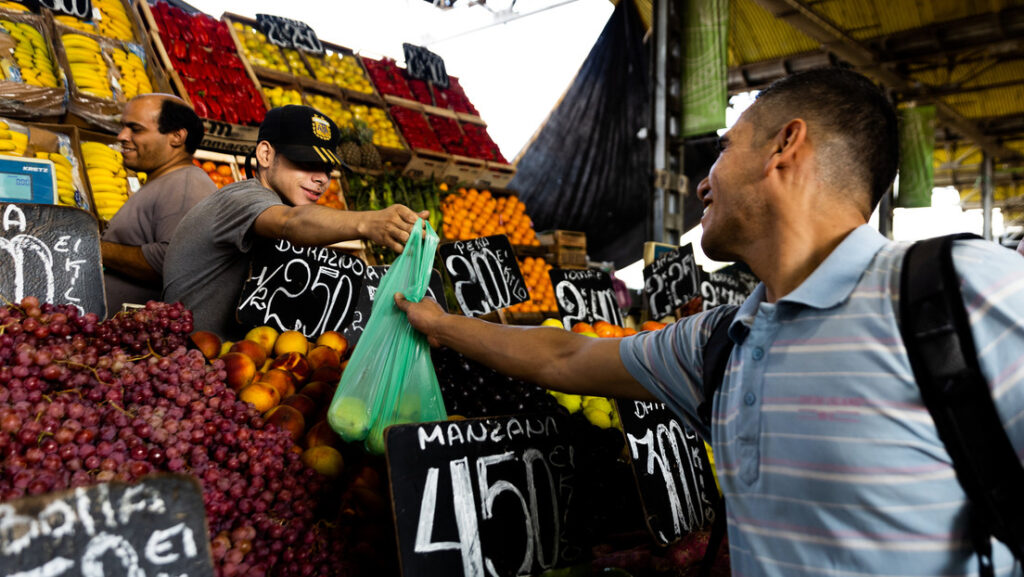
x=148, y=220
x=207, y=261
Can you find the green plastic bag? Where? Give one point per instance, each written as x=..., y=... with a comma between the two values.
x=390, y=378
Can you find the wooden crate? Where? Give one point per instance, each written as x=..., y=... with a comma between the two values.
x=43, y=138
x=462, y=170
x=426, y=163
x=496, y=175
x=566, y=248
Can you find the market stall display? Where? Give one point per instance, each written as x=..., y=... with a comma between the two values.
x=31, y=86
x=108, y=178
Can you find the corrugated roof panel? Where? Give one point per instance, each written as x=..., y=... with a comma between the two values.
x=988, y=103
x=973, y=75
x=756, y=35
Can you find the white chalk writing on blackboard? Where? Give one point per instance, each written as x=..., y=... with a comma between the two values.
x=457, y=433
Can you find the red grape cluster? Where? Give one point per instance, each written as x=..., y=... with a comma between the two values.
x=85, y=401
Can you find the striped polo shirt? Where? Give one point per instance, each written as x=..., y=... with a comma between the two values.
x=829, y=461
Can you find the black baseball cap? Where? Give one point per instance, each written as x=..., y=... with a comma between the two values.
x=302, y=134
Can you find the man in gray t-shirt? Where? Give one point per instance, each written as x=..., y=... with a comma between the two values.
x=159, y=135
x=207, y=260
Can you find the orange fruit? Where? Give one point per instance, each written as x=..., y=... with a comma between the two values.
x=209, y=166
x=626, y=332
x=224, y=170
x=603, y=329
x=652, y=326
x=582, y=327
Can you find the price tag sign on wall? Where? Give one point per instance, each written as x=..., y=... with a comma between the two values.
x=671, y=281
x=307, y=289
x=371, y=280
x=673, y=473
x=156, y=526
x=53, y=253
x=727, y=286
x=423, y=64
x=585, y=296
x=288, y=33
x=484, y=273
x=81, y=9
x=482, y=497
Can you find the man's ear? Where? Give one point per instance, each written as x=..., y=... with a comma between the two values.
x=178, y=137
x=264, y=154
x=788, y=144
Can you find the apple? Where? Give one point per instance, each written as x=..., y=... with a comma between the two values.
x=240, y=369
x=350, y=418
x=265, y=335
x=208, y=343
x=252, y=349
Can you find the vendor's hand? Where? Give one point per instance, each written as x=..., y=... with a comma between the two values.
x=424, y=316
x=391, y=226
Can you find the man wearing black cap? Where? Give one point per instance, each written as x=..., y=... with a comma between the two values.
x=207, y=260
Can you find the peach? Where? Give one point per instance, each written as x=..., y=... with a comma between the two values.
x=240, y=368
x=291, y=342
x=293, y=362
x=252, y=349
x=303, y=403
x=208, y=343
x=326, y=374
x=321, y=433
x=261, y=396
x=320, y=391
x=335, y=340
x=288, y=419
x=225, y=347
x=264, y=335
x=281, y=380
x=325, y=460
x=367, y=477
x=323, y=356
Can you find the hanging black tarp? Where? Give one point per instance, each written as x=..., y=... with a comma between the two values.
x=589, y=167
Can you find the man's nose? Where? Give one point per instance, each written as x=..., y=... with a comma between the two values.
x=703, y=188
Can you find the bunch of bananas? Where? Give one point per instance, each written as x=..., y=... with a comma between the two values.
x=74, y=22
x=13, y=6
x=32, y=54
x=113, y=21
x=12, y=142
x=66, y=193
x=88, y=68
x=134, y=80
x=107, y=177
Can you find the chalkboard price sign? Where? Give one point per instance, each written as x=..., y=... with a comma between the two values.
x=484, y=273
x=53, y=253
x=307, y=289
x=483, y=497
x=371, y=280
x=672, y=470
x=727, y=286
x=425, y=65
x=671, y=281
x=154, y=527
x=81, y=9
x=288, y=33
x=585, y=296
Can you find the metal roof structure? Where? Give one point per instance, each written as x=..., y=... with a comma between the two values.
x=965, y=57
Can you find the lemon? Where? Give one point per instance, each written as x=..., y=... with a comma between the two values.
x=552, y=323
x=597, y=417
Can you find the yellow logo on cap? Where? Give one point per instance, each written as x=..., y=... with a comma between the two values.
x=321, y=128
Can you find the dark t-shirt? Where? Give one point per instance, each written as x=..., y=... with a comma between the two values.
x=148, y=220
x=207, y=261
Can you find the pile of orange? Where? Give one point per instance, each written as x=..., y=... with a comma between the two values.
x=603, y=329
x=219, y=172
x=542, y=293
x=469, y=213
x=331, y=198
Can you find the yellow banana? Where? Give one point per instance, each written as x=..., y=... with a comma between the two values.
x=7, y=145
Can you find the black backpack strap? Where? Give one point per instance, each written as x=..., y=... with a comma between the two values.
x=716, y=358
x=936, y=333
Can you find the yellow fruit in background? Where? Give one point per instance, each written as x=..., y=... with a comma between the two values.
x=291, y=342
x=597, y=417
x=553, y=323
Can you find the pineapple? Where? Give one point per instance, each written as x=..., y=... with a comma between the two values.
x=349, y=150
x=369, y=155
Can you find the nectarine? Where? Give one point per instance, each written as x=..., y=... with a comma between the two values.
x=293, y=362
x=321, y=433
x=335, y=340
x=304, y=404
x=240, y=369
x=324, y=460
x=291, y=342
x=265, y=336
x=260, y=395
x=287, y=418
x=281, y=380
x=208, y=343
x=252, y=349
x=323, y=356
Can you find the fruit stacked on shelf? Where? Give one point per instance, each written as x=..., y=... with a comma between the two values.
x=13, y=6
x=88, y=67
x=132, y=70
x=67, y=195
x=108, y=180
x=84, y=401
x=384, y=132
x=342, y=70
x=204, y=56
x=469, y=213
x=75, y=23
x=479, y=143
x=330, y=107
x=332, y=197
x=453, y=97
x=219, y=172
x=448, y=133
x=258, y=50
x=388, y=77
x=357, y=148
x=280, y=96
x=538, y=283
x=420, y=90
x=13, y=142
x=374, y=192
x=34, y=63
x=113, y=20
x=415, y=129
x=295, y=62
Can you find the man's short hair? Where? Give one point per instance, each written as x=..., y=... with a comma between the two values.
x=859, y=136
x=175, y=115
